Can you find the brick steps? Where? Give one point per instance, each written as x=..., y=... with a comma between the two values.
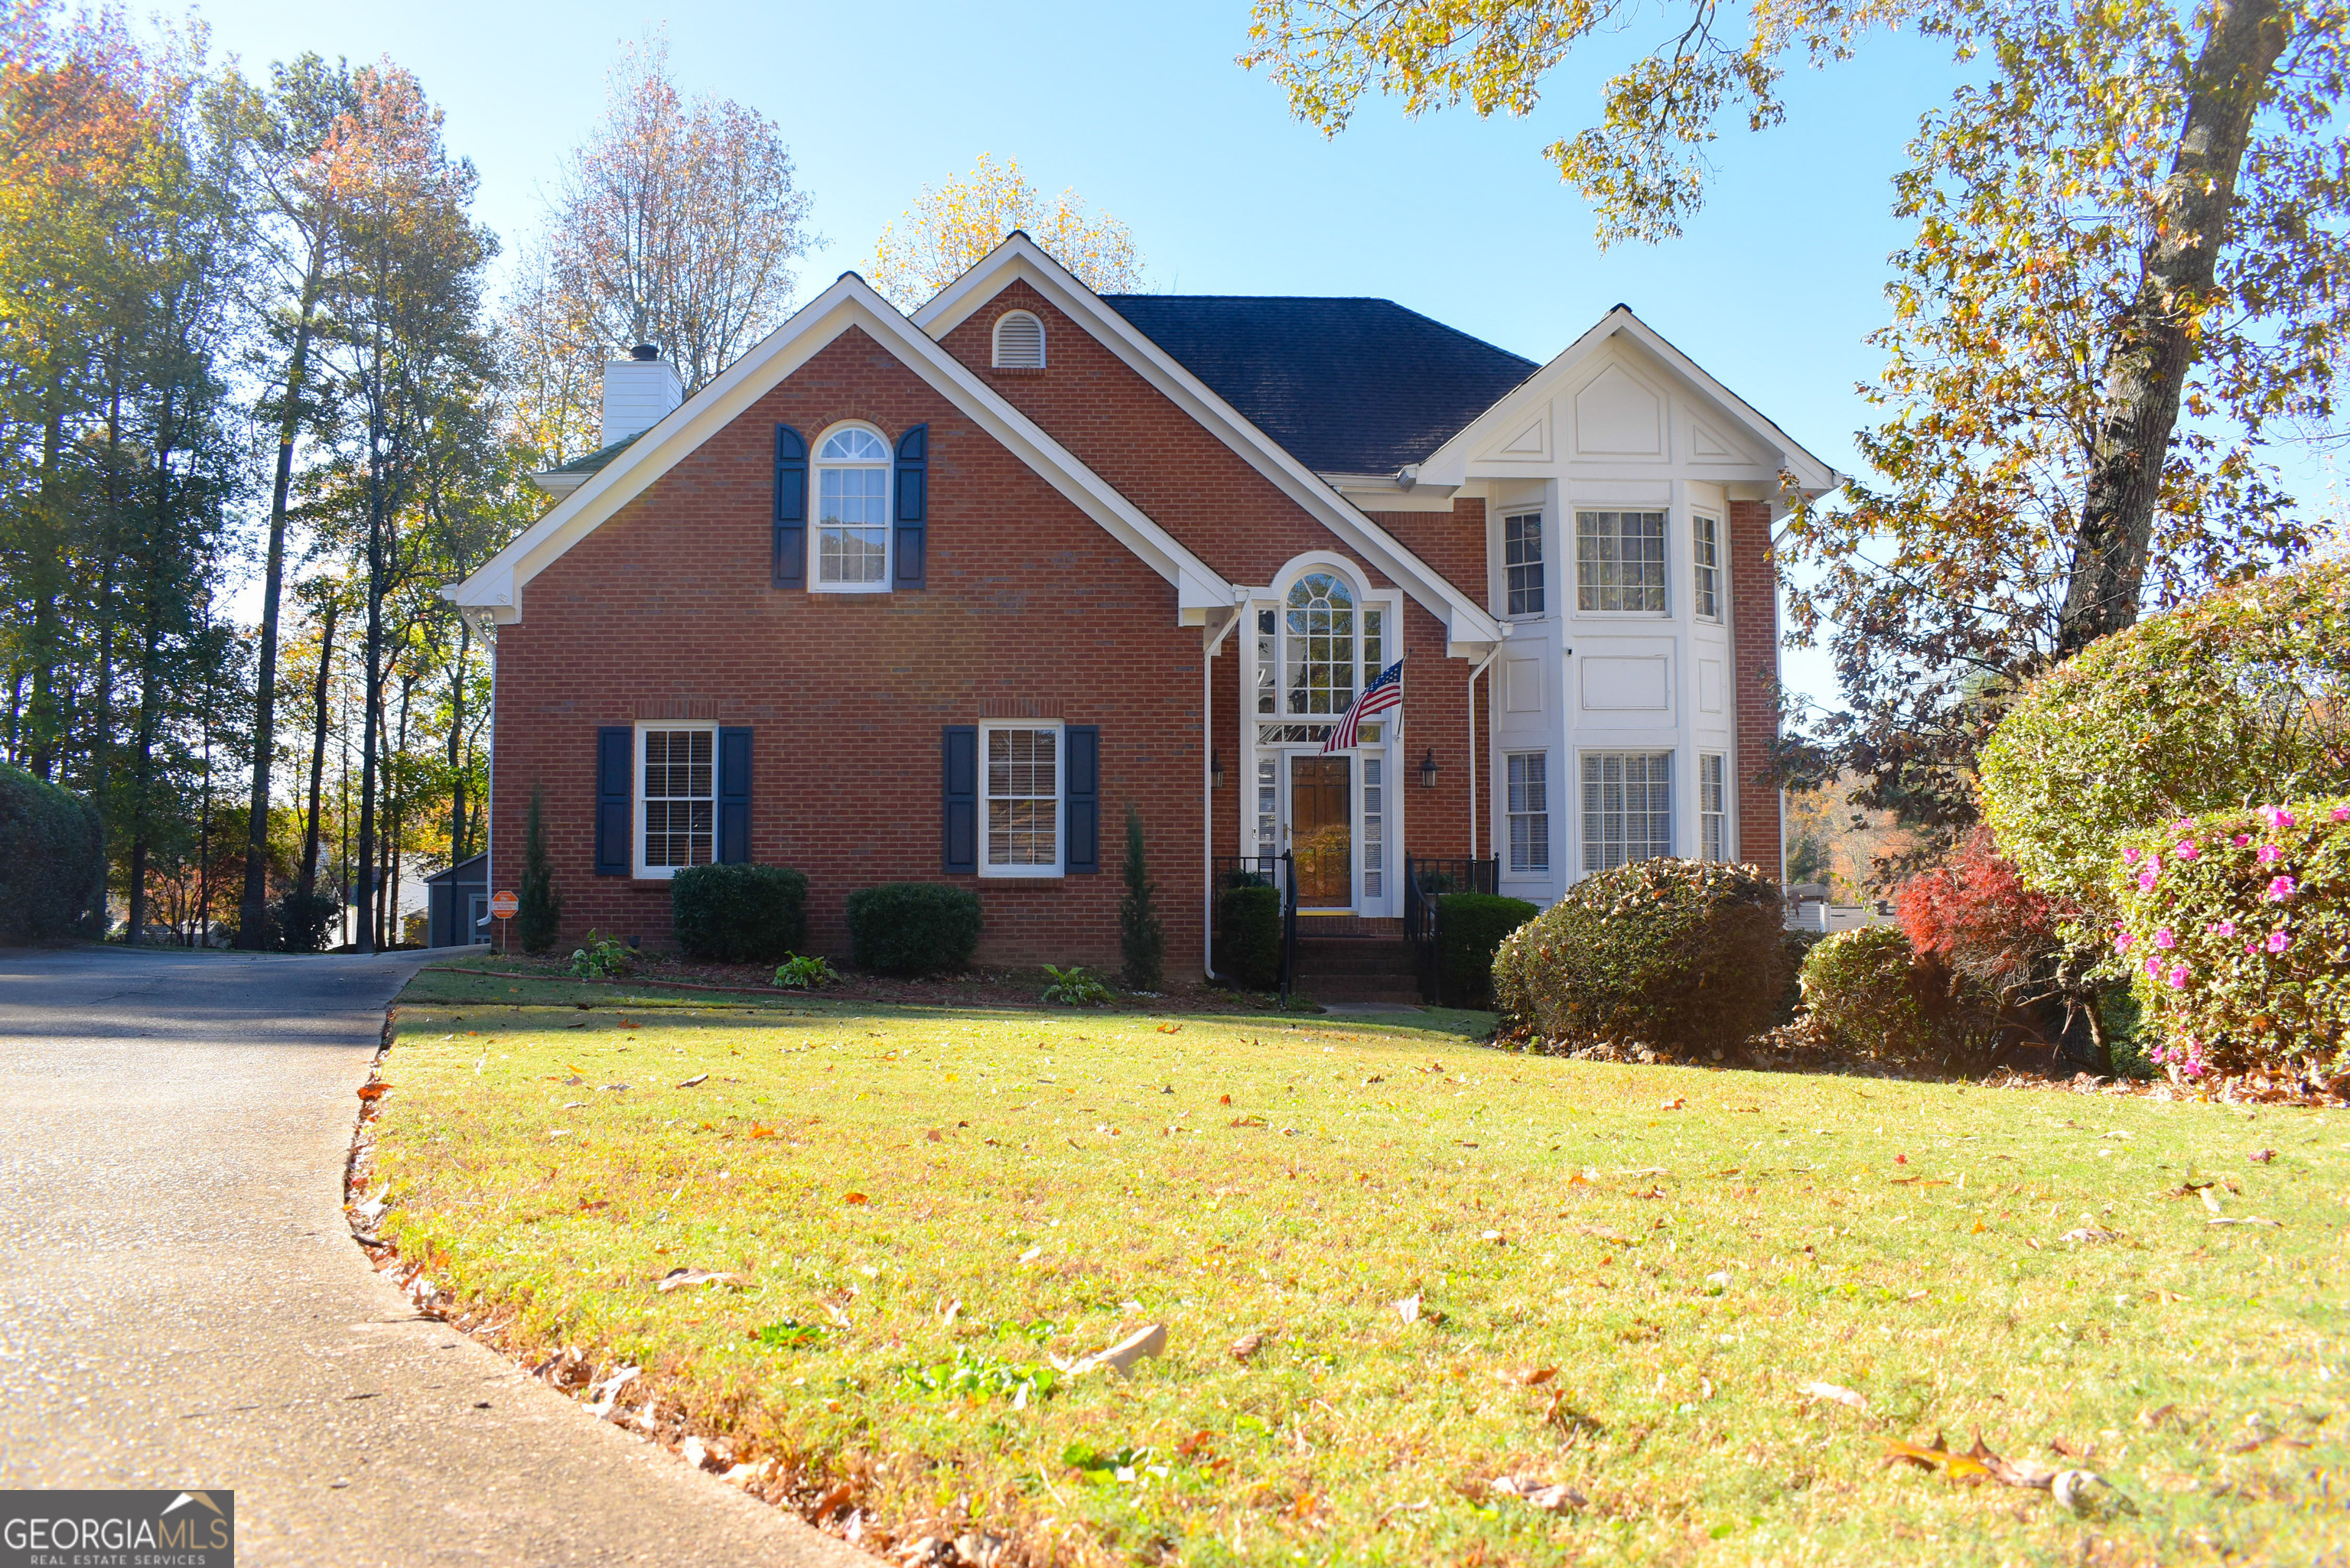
x=1357, y=968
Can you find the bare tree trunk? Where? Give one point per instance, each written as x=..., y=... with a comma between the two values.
x=45, y=724
x=458, y=820
x=307, y=883
x=253, y=910
x=371, y=689
x=2147, y=370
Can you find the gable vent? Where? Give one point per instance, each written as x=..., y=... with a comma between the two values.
x=1019, y=341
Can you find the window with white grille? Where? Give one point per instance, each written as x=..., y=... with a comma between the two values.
x=1628, y=807
x=1713, y=804
x=852, y=519
x=1522, y=562
x=1022, y=764
x=677, y=795
x=1705, y=547
x=1019, y=341
x=1529, y=812
x=1619, y=561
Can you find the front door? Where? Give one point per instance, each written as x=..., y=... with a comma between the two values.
x=1320, y=831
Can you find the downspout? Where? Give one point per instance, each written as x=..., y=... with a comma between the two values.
x=1212, y=646
x=1472, y=743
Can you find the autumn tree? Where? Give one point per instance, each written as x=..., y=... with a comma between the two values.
x=952, y=225
x=2129, y=281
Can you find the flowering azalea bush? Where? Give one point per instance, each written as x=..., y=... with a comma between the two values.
x=2235, y=929
x=1675, y=958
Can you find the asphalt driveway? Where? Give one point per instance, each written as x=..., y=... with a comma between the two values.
x=182, y=1303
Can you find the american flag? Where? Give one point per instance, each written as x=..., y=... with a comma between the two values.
x=1380, y=695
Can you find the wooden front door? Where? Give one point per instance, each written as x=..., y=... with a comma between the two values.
x=1320, y=831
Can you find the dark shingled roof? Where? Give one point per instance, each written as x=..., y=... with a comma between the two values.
x=1350, y=386
x=594, y=461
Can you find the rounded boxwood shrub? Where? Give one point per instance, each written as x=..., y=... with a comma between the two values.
x=913, y=927
x=1676, y=958
x=739, y=913
x=2235, y=927
x=1869, y=992
x=1469, y=930
x=2240, y=697
x=52, y=865
x=302, y=921
x=1248, y=936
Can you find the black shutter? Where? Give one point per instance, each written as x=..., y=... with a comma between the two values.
x=791, y=508
x=1084, y=794
x=913, y=503
x=735, y=795
x=958, y=798
x=616, y=764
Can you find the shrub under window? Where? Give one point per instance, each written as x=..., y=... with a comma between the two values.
x=732, y=913
x=913, y=927
x=1469, y=930
x=1248, y=936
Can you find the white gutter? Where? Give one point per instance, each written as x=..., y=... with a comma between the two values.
x=1472, y=743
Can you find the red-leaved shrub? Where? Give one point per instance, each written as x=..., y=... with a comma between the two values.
x=1974, y=914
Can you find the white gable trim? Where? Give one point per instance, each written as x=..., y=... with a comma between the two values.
x=1020, y=258
x=1448, y=464
x=497, y=586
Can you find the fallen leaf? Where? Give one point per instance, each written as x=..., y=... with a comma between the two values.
x=1407, y=1309
x=1539, y=1376
x=1937, y=1456
x=1675, y=1103
x=2090, y=1233
x=374, y=1090
x=1251, y=1120
x=1842, y=1395
x=679, y=1278
x=853, y=1198
x=1249, y=1344
x=1223, y=1099
x=1170, y=1029
x=1119, y=1357
x=2262, y=1156
x=761, y=1130
x=2210, y=1199
x=2090, y=1495
x=697, y=1078
x=2245, y=1219
x=1550, y=1497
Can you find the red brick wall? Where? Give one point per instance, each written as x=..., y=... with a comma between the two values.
x=667, y=609
x=1453, y=543
x=1755, y=632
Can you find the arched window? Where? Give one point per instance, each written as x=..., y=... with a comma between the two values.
x=1019, y=341
x=1317, y=646
x=852, y=494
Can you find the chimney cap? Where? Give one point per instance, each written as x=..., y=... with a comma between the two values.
x=644, y=351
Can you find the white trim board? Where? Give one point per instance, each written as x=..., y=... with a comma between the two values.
x=1020, y=259
x=497, y=586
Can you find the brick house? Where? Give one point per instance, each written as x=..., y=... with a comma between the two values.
x=941, y=596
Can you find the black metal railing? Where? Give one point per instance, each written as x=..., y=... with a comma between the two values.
x=1424, y=882
x=1275, y=871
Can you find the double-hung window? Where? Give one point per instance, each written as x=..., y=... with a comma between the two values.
x=1619, y=561
x=1522, y=562
x=1022, y=779
x=852, y=516
x=1713, y=804
x=677, y=797
x=1628, y=807
x=1529, y=812
x=1705, y=551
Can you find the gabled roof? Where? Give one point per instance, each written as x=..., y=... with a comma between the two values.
x=1021, y=259
x=1448, y=464
x=1348, y=385
x=497, y=586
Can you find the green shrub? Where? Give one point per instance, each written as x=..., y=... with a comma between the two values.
x=1248, y=936
x=913, y=927
x=602, y=957
x=302, y=921
x=1795, y=946
x=1468, y=929
x=2236, y=929
x=806, y=973
x=2237, y=698
x=1869, y=992
x=738, y=913
x=52, y=862
x=1074, y=987
x=539, y=916
x=1141, y=939
x=1681, y=957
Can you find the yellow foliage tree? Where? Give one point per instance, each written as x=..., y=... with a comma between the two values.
x=952, y=225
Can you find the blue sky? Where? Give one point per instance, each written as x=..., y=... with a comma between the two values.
x=1143, y=111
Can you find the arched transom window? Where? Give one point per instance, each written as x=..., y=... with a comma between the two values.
x=852, y=510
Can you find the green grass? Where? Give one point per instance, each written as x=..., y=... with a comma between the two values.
x=1068, y=1176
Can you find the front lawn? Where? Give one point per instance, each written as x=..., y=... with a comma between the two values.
x=922, y=1208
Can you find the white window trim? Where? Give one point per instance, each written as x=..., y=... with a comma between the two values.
x=1060, y=800
x=1549, y=815
x=1729, y=813
x=1720, y=571
x=643, y=872
x=1674, y=826
x=1573, y=548
x=816, y=465
x=1550, y=563
x=996, y=342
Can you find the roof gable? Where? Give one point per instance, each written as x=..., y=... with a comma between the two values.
x=850, y=303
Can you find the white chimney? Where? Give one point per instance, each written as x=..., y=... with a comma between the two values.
x=639, y=391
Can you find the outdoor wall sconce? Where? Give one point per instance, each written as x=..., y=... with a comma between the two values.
x=1428, y=769
x=1215, y=769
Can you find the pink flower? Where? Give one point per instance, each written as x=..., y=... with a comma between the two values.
x=2279, y=816
x=2225, y=927
x=2270, y=855
x=2250, y=947
x=2178, y=978
x=2154, y=964
x=2279, y=890
x=2342, y=813
x=2185, y=849
x=2122, y=942
x=2129, y=856
x=2241, y=840
x=2146, y=881
x=2279, y=942
x=2164, y=937
x=2182, y=825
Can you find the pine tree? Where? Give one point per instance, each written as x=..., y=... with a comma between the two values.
x=541, y=915
x=1141, y=939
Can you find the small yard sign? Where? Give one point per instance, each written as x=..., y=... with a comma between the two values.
x=503, y=904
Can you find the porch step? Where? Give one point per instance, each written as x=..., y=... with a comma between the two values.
x=1357, y=968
